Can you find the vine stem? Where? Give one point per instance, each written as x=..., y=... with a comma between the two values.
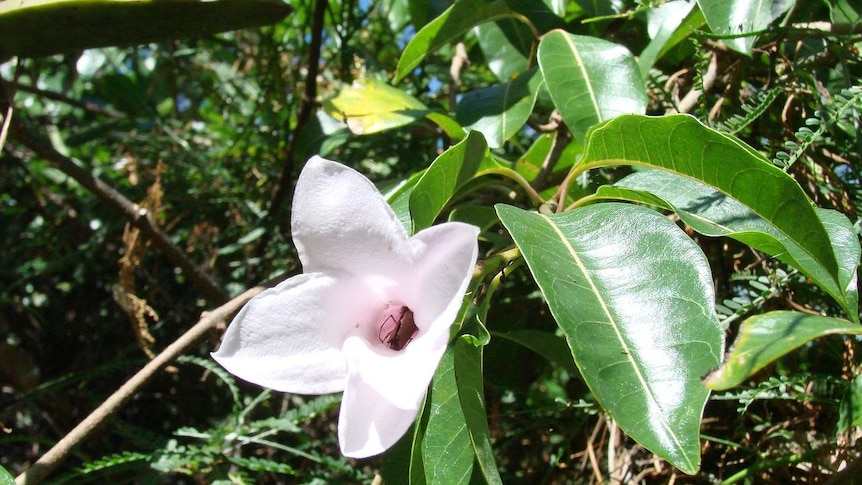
x=59, y=452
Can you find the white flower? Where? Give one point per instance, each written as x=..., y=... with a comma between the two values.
x=369, y=316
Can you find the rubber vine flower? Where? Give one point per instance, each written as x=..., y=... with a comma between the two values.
x=369, y=316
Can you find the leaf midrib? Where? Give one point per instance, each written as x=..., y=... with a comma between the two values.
x=615, y=325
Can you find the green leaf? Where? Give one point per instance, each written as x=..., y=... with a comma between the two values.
x=451, y=170
x=455, y=21
x=469, y=375
x=506, y=45
x=590, y=80
x=372, y=106
x=731, y=17
x=764, y=338
x=398, y=198
x=850, y=409
x=34, y=28
x=6, y=478
x=713, y=213
x=663, y=24
x=447, y=450
x=633, y=295
x=546, y=344
x=681, y=145
x=499, y=111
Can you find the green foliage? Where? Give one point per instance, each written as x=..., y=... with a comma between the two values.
x=621, y=242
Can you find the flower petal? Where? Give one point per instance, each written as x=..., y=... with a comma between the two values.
x=341, y=221
x=383, y=393
x=384, y=390
x=439, y=277
x=289, y=338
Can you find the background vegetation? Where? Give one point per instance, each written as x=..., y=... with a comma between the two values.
x=208, y=134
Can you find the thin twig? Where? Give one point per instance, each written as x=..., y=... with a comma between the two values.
x=309, y=99
x=62, y=98
x=136, y=215
x=57, y=454
x=562, y=138
x=459, y=60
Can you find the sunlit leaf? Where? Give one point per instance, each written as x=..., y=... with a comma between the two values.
x=742, y=17
x=633, y=295
x=713, y=213
x=6, y=477
x=446, y=447
x=590, y=80
x=469, y=376
x=454, y=22
x=764, y=338
x=663, y=23
x=451, y=170
x=681, y=145
x=372, y=106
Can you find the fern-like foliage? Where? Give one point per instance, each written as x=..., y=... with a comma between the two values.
x=752, y=293
x=754, y=107
x=263, y=465
x=218, y=371
x=843, y=110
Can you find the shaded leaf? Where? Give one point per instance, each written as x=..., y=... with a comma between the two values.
x=33, y=28
x=764, y=338
x=499, y=111
x=633, y=295
x=506, y=45
x=850, y=408
x=546, y=344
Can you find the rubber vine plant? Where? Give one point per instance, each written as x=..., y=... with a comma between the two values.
x=629, y=289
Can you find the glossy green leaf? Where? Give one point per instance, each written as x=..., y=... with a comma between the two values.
x=449, y=125
x=764, y=338
x=447, y=449
x=633, y=296
x=454, y=22
x=6, y=477
x=372, y=106
x=398, y=198
x=590, y=80
x=451, y=170
x=841, y=13
x=469, y=376
x=499, y=111
x=33, y=28
x=731, y=17
x=506, y=45
x=713, y=213
x=663, y=22
x=681, y=145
